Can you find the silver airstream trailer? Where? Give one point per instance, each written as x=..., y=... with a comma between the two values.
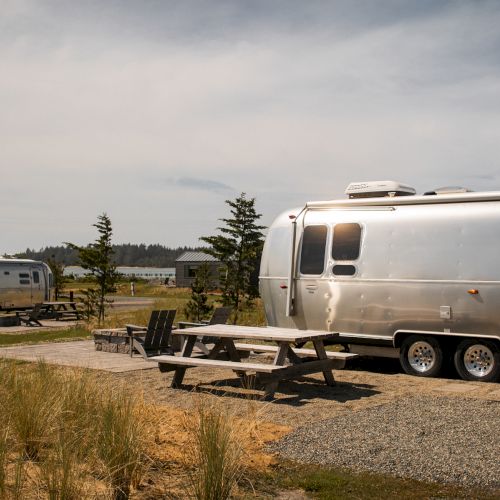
x=393, y=272
x=23, y=282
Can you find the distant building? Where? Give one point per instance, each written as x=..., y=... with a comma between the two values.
x=146, y=273
x=188, y=263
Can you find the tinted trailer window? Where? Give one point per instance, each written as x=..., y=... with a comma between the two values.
x=312, y=258
x=346, y=241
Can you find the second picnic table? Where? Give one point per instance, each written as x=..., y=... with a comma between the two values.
x=317, y=360
x=59, y=310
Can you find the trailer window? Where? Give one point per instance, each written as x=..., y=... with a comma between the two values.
x=346, y=241
x=36, y=277
x=312, y=258
x=343, y=270
x=24, y=275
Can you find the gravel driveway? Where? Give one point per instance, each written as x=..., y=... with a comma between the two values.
x=439, y=439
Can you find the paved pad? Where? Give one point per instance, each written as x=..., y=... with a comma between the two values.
x=495, y=395
x=80, y=353
x=47, y=325
x=456, y=387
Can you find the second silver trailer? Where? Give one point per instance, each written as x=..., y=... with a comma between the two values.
x=389, y=269
x=23, y=282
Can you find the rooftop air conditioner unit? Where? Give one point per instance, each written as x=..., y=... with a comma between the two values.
x=377, y=189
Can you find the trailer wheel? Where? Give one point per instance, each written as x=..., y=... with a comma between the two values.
x=478, y=360
x=421, y=356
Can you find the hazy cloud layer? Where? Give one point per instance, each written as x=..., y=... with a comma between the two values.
x=201, y=184
x=156, y=112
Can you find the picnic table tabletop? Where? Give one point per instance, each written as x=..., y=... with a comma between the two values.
x=257, y=333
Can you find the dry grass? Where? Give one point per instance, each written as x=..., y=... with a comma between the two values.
x=65, y=432
x=216, y=453
x=175, y=450
x=70, y=433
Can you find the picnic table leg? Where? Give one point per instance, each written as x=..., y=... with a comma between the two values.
x=279, y=360
x=321, y=353
x=231, y=350
x=186, y=353
x=218, y=346
x=233, y=354
x=293, y=358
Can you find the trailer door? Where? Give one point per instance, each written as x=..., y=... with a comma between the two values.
x=23, y=288
x=37, y=288
x=312, y=287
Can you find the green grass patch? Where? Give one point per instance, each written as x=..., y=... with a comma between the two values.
x=40, y=336
x=332, y=484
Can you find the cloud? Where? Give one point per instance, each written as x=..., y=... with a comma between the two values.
x=288, y=101
x=201, y=184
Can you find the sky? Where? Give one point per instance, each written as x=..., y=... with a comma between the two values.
x=156, y=112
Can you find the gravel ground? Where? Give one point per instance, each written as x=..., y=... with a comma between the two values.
x=424, y=437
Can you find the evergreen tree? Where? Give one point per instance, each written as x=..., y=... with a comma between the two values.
x=239, y=248
x=198, y=308
x=97, y=258
x=58, y=275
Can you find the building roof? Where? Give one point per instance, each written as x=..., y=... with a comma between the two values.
x=195, y=257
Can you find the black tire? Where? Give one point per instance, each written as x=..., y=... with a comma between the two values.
x=478, y=360
x=421, y=356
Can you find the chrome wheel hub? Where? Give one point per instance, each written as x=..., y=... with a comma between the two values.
x=478, y=360
x=421, y=356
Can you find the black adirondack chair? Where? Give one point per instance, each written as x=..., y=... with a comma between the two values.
x=219, y=317
x=30, y=318
x=155, y=338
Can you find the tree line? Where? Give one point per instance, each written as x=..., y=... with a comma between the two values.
x=127, y=254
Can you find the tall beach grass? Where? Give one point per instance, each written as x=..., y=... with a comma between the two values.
x=75, y=433
x=215, y=453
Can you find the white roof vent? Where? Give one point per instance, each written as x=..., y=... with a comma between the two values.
x=376, y=189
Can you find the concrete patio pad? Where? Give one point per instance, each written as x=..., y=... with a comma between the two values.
x=47, y=325
x=79, y=353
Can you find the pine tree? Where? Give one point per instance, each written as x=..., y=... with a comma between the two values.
x=239, y=248
x=57, y=269
x=198, y=308
x=97, y=257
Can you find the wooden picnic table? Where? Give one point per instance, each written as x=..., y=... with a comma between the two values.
x=59, y=310
x=287, y=363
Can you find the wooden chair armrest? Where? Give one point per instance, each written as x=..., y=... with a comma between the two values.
x=134, y=328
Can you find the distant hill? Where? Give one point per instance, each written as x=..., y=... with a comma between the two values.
x=125, y=255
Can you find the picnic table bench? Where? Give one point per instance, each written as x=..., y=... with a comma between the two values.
x=288, y=362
